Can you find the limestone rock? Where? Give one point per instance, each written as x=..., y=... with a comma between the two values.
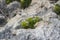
x=11, y=7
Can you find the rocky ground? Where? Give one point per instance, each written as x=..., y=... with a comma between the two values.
x=11, y=16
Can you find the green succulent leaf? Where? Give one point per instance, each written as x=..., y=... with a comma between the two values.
x=9, y=1
x=24, y=24
x=30, y=22
x=57, y=9
x=36, y=19
x=25, y=3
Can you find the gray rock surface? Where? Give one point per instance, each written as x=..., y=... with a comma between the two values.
x=58, y=2
x=11, y=7
x=47, y=29
x=3, y=20
x=3, y=7
x=44, y=31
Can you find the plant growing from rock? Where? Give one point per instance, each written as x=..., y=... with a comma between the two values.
x=24, y=24
x=30, y=22
x=9, y=1
x=57, y=9
x=25, y=3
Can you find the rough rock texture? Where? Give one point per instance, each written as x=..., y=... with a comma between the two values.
x=47, y=29
x=11, y=7
x=44, y=31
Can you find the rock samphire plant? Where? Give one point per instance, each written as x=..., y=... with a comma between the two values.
x=30, y=22
x=9, y=1
x=24, y=3
x=57, y=9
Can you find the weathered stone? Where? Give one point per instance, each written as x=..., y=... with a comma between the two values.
x=47, y=29
x=12, y=7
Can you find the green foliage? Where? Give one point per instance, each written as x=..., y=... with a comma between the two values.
x=57, y=9
x=25, y=3
x=9, y=1
x=37, y=19
x=30, y=22
x=24, y=24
